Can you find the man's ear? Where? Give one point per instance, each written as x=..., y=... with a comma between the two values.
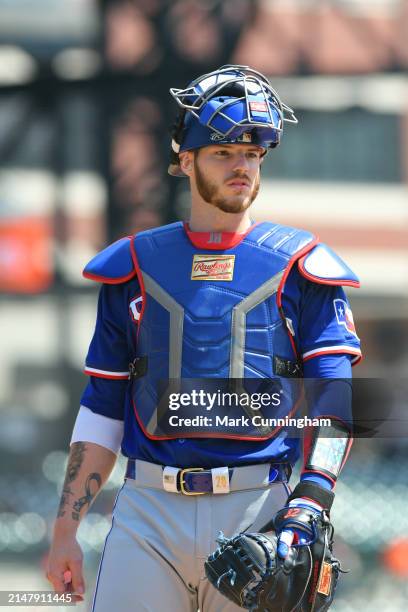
x=186, y=162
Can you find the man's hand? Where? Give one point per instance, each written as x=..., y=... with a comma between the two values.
x=295, y=524
x=64, y=568
x=89, y=467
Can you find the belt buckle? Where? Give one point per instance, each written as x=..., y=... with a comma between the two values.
x=182, y=481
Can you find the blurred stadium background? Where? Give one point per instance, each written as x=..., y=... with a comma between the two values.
x=84, y=118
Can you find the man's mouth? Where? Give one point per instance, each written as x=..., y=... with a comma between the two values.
x=238, y=183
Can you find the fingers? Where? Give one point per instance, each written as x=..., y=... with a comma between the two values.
x=67, y=577
x=56, y=581
x=284, y=542
x=68, y=581
x=302, y=538
x=76, y=578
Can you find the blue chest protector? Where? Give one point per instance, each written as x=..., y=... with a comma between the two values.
x=203, y=325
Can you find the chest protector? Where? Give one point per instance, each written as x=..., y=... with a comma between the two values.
x=211, y=322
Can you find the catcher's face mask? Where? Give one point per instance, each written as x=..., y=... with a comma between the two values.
x=233, y=104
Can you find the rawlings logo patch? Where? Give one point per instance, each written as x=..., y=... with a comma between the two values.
x=344, y=315
x=213, y=267
x=325, y=579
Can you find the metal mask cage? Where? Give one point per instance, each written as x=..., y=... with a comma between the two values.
x=253, y=83
x=243, y=123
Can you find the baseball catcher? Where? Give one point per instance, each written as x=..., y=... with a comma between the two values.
x=219, y=302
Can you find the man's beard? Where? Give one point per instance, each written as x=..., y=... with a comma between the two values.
x=210, y=192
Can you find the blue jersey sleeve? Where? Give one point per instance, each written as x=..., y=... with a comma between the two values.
x=106, y=397
x=320, y=317
x=107, y=361
x=108, y=354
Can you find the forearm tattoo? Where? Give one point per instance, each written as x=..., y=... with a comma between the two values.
x=74, y=465
x=92, y=486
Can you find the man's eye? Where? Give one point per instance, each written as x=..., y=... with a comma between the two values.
x=253, y=154
x=222, y=153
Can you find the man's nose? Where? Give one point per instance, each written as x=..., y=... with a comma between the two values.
x=240, y=162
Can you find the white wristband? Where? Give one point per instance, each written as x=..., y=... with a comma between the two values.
x=92, y=427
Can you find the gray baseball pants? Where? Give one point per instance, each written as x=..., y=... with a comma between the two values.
x=154, y=554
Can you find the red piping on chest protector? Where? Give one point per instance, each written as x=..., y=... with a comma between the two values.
x=141, y=283
x=109, y=280
x=324, y=281
x=106, y=280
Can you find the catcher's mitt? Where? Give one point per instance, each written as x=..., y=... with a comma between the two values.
x=247, y=570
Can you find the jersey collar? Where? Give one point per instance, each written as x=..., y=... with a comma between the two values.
x=216, y=241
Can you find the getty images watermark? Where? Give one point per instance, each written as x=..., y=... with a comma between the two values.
x=207, y=400
x=251, y=402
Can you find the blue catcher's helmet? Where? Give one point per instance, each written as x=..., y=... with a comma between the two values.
x=230, y=105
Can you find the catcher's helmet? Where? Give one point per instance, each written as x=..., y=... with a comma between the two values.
x=230, y=105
